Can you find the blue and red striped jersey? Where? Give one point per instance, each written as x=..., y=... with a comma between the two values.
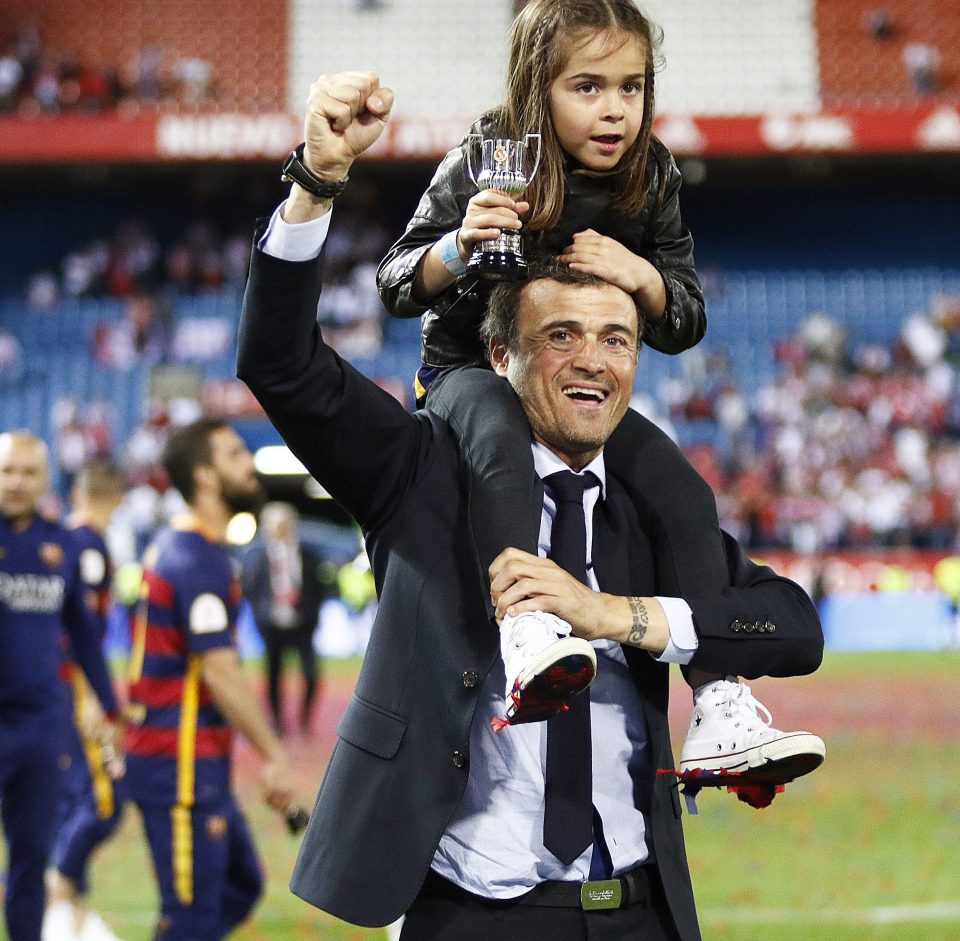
x=178, y=743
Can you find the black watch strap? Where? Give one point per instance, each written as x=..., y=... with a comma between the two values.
x=295, y=171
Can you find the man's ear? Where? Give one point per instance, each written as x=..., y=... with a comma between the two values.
x=203, y=476
x=499, y=356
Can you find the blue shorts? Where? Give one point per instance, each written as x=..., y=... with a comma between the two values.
x=206, y=866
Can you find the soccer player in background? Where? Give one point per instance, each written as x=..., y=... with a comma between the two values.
x=93, y=774
x=188, y=694
x=41, y=593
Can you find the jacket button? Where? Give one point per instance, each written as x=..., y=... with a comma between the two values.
x=771, y=627
x=470, y=678
x=749, y=627
x=736, y=626
x=676, y=323
x=459, y=759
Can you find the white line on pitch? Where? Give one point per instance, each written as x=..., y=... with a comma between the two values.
x=881, y=915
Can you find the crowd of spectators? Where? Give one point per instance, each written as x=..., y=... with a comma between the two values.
x=852, y=445
x=152, y=280
x=39, y=79
x=131, y=261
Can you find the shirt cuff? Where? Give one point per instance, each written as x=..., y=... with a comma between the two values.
x=301, y=241
x=683, y=641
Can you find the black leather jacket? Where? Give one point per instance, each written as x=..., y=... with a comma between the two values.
x=450, y=325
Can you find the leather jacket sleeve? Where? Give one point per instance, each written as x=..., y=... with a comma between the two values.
x=440, y=210
x=670, y=251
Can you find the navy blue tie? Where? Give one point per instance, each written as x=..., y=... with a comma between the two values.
x=568, y=791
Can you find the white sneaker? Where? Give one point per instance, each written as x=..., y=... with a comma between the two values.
x=59, y=922
x=544, y=665
x=94, y=928
x=731, y=731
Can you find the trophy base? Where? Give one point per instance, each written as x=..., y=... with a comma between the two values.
x=497, y=266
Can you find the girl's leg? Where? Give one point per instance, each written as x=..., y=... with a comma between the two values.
x=494, y=435
x=543, y=664
x=729, y=727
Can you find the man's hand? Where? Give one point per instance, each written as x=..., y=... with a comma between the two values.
x=346, y=113
x=278, y=784
x=522, y=582
x=110, y=737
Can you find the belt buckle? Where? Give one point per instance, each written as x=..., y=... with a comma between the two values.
x=601, y=893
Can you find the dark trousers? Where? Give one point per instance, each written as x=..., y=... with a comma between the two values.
x=207, y=868
x=674, y=503
x=276, y=640
x=444, y=912
x=30, y=784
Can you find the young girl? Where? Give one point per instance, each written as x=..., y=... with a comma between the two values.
x=604, y=200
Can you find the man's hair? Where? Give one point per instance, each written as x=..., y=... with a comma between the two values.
x=277, y=510
x=98, y=479
x=189, y=447
x=500, y=319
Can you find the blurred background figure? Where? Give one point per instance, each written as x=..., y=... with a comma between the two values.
x=922, y=62
x=42, y=593
x=93, y=793
x=284, y=584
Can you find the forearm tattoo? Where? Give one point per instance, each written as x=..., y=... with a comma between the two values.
x=641, y=621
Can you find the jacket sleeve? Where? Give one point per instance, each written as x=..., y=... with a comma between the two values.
x=762, y=625
x=355, y=439
x=670, y=251
x=440, y=211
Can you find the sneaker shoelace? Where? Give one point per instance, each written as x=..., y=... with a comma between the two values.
x=739, y=703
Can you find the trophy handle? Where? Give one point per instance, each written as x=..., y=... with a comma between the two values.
x=470, y=142
x=536, y=162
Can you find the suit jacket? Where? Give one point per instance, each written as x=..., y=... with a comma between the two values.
x=259, y=592
x=402, y=757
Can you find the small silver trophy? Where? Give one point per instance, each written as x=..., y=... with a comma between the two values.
x=505, y=166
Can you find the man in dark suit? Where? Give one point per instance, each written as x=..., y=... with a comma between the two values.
x=424, y=810
x=282, y=581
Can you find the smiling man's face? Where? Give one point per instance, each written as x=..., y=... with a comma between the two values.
x=574, y=364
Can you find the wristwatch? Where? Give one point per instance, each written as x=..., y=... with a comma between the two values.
x=295, y=171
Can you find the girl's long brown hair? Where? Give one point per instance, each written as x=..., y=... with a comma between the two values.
x=541, y=40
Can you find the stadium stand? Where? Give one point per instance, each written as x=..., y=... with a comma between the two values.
x=863, y=69
x=158, y=50
x=737, y=57
x=866, y=257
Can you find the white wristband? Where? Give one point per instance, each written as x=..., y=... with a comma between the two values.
x=450, y=255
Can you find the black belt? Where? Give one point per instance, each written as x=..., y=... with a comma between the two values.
x=631, y=888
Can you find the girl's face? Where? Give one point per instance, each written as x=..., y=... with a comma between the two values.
x=596, y=102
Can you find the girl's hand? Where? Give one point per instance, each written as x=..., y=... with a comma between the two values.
x=607, y=258
x=488, y=214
